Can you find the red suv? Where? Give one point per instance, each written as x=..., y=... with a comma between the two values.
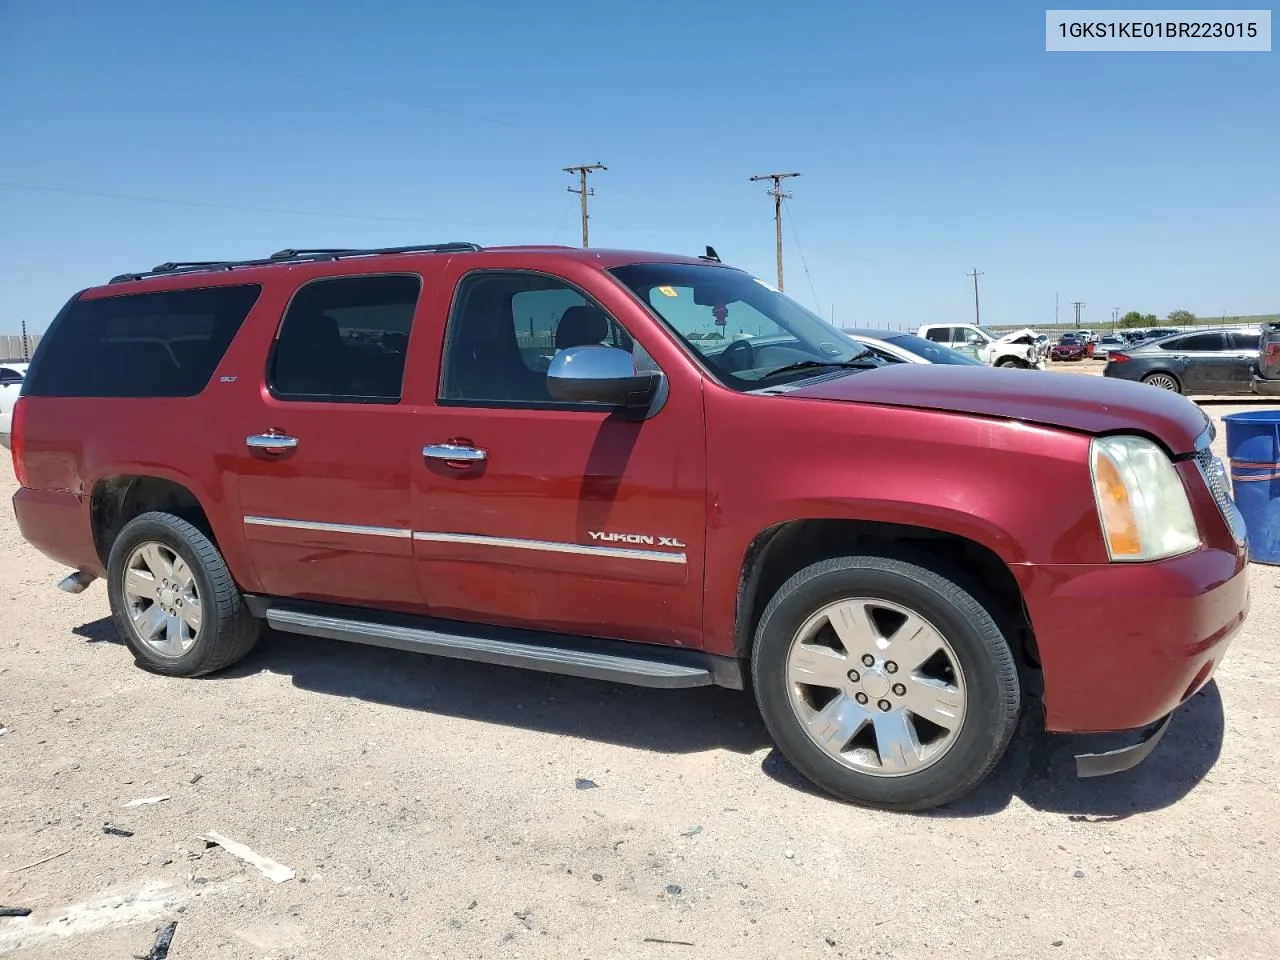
x=649, y=469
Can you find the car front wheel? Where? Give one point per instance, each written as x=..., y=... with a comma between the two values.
x=885, y=682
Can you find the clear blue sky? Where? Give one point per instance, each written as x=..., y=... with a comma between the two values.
x=932, y=138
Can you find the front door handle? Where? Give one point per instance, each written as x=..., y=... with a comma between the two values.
x=272, y=442
x=454, y=453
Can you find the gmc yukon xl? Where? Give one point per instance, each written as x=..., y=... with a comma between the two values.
x=640, y=468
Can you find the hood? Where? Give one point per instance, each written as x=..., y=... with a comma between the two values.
x=1093, y=405
x=1018, y=335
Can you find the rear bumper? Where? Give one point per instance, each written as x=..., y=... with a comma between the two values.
x=1123, y=645
x=57, y=523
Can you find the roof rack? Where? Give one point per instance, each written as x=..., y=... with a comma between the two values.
x=293, y=256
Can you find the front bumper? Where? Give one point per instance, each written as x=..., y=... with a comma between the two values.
x=1121, y=646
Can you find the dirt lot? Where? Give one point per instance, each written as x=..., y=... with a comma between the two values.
x=433, y=808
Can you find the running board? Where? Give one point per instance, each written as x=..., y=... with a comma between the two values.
x=644, y=665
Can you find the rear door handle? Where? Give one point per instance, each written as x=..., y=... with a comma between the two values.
x=270, y=441
x=454, y=453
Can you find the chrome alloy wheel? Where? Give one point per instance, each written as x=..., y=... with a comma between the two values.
x=1161, y=380
x=876, y=686
x=162, y=599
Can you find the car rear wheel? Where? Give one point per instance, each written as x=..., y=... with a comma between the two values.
x=1163, y=381
x=173, y=599
x=1011, y=362
x=885, y=682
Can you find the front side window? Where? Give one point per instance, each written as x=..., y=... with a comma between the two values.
x=748, y=335
x=345, y=339
x=505, y=328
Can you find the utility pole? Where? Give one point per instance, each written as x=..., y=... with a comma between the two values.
x=26, y=344
x=1077, y=304
x=977, y=315
x=778, y=197
x=1115, y=318
x=582, y=189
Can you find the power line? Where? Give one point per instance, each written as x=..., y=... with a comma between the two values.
x=778, y=197
x=804, y=263
x=583, y=190
x=1078, y=305
x=168, y=201
x=977, y=314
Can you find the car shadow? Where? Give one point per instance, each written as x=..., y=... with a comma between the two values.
x=665, y=721
x=1039, y=769
x=1249, y=400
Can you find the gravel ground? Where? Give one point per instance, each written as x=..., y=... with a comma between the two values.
x=433, y=808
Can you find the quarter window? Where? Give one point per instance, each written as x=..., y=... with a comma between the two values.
x=505, y=328
x=164, y=344
x=345, y=339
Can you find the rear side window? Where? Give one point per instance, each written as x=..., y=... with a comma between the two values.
x=1197, y=341
x=140, y=345
x=345, y=340
x=1246, y=341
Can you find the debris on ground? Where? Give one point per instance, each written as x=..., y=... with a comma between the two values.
x=674, y=889
x=789, y=854
x=472, y=905
x=597, y=877
x=111, y=831
x=691, y=832
x=164, y=939
x=15, y=911
x=196, y=778
x=674, y=943
x=275, y=872
x=52, y=856
x=525, y=917
x=1079, y=874
x=3, y=729
x=831, y=941
x=146, y=801
x=584, y=784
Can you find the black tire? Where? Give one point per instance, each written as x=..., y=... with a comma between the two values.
x=1011, y=362
x=990, y=677
x=227, y=631
x=1177, y=384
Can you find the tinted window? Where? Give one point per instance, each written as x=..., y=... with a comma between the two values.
x=345, y=339
x=9, y=376
x=1246, y=341
x=938, y=334
x=1197, y=341
x=506, y=327
x=140, y=345
x=931, y=351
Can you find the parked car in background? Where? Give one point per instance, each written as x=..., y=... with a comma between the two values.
x=11, y=376
x=900, y=347
x=1067, y=348
x=1108, y=343
x=354, y=444
x=1016, y=349
x=1199, y=363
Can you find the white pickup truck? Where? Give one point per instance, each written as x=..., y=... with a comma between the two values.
x=1021, y=348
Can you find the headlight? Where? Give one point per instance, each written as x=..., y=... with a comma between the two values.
x=1142, y=503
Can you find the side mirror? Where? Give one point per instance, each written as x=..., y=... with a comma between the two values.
x=975, y=340
x=599, y=374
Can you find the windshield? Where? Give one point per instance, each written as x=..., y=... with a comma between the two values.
x=749, y=334
x=933, y=352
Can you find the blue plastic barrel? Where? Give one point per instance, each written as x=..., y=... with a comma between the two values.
x=1253, y=447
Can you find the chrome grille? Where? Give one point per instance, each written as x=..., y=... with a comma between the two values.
x=1215, y=478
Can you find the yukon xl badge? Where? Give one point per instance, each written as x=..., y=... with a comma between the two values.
x=634, y=538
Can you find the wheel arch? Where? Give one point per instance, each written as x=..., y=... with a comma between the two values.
x=117, y=498
x=782, y=549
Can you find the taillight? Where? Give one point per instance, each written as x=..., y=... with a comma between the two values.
x=1273, y=353
x=1117, y=357
x=18, y=438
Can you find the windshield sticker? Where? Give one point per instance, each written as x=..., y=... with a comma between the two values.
x=667, y=291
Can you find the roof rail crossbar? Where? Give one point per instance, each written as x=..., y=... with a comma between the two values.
x=294, y=256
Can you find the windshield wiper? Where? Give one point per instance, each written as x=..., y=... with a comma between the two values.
x=852, y=364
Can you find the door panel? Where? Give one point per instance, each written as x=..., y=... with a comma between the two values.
x=327, y=508
x=576, y=520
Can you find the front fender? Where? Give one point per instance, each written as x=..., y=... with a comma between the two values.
x=1023, y=492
